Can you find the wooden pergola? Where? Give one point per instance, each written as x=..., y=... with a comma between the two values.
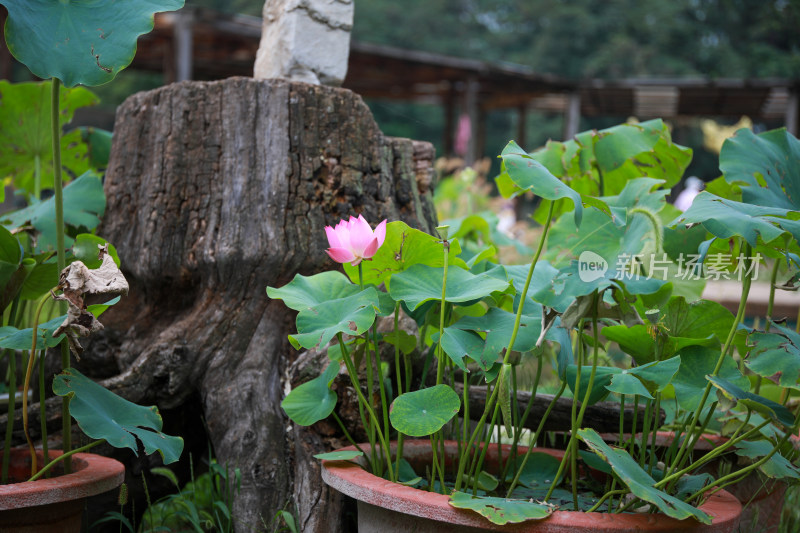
x=196, y=43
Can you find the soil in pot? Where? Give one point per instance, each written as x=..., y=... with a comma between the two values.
x=387, y=507
x=55, y=504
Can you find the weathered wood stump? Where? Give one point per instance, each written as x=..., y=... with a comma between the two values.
x=216, y=190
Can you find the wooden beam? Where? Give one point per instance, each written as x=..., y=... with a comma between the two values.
x=602, y=416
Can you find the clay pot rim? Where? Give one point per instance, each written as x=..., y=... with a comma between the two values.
x=94, y=474
x=352, y=480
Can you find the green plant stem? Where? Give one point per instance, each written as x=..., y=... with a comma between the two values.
x=570, y=455
x=442, y=308
x=399, y=376
x=731, y=478
x=58, y=188
x=26, y=386
x=653, y=458
x=654, y=222
x=436, y=466
x=535, y=436
x=716, y=452
x=490, y=402
x=606, y=496
x=621, y=433
x=521, y=423
x=381, y=387
x=346, y=433
x=37, y=177
x=476, y=467
x=43, y=419
x=728, y=343
x=771, y=303
x=572, y=447
x=64, y=457
x=12, y=403
x=354, y=380
x=12, y=394
x=578, y=350
x=648, y=411
x=373, y=422
x=631, y=440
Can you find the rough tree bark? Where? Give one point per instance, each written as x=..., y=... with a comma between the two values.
x=216, y=190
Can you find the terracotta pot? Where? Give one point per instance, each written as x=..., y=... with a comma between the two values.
x=385, y=507
x=54, y=505
x=761, y=498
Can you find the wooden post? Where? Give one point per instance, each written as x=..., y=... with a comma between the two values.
x=792, y=110
x=183, y=43
x=522, y=130
x=473, y=110
x=572, y=117
x=449, y=103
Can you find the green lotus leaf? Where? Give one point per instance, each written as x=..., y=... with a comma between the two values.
x=22, y=339
x=638, y=481
x=727, y=218
x=542, y=286
x=625, y=383
x=42, y=278
x=521, y=172
x=346, y=455
x=304, y=292
x=425, y=411
x=458, y=344
x=403, y=248
x=696, y=363
x=423, y=283
x=539, y=471
x=312, y=401
x=766, y=166
x=646, y=379
x=84, y=204
x=500, y=510
x=352, y=315
x=497, y=325
x=752, y=401
x=26, y=133
x=776, y=355
x=776, y=467
x=10, y=256
x=484, y=481
x=101, y=414
x=85, y=42
x=86, y=248
x=98, y=142
x=621, y=153
x=602, y=379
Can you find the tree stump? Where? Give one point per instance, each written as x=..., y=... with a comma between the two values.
x=216, y=190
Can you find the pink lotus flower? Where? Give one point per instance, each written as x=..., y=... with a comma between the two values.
x=353, y=241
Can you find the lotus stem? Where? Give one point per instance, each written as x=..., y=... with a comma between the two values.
x=64, y=457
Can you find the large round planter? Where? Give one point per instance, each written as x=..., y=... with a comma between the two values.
x=385, y=507
x=54, y=505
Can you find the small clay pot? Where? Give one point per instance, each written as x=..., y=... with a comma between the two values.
x=55, y=504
